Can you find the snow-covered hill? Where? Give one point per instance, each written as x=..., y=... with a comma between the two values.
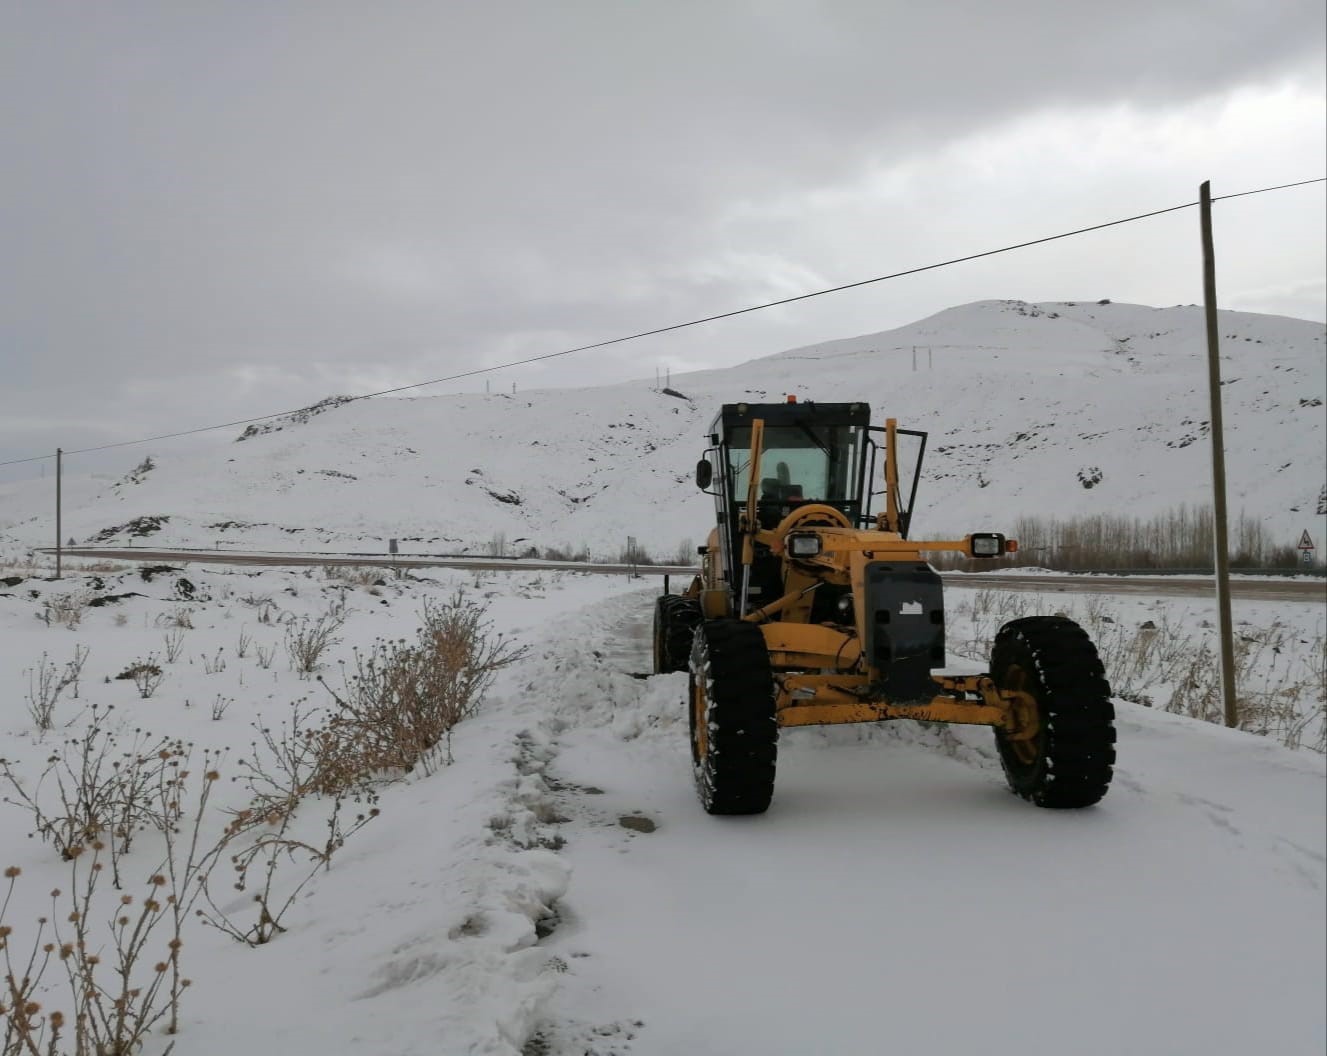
x=1046, y=409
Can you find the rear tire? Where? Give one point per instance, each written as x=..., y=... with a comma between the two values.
x=675, y=620
x=734, y=731
x=1069, y=760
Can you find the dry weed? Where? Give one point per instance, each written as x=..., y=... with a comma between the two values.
x=101, y=791
x=174, y=644
x=258, y=866
x=46, y=682
x=66, y=610
x=117, y=993
x=353, y=575
x=146, y=675
x=309, y=639
x=401, y=700
x=1281, y=682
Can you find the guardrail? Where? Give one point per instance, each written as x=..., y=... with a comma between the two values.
x=377, y=557
x=478, y=562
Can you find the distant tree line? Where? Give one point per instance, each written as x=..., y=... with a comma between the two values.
x=1181, y=537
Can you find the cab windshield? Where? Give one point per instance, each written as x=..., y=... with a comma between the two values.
x=807, y=463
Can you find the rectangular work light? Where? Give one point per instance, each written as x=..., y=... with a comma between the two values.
x=986, y=544
x=804, y=545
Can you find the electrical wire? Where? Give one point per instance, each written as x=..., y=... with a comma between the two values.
x=681, y=326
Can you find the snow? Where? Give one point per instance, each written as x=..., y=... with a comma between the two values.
x=896, y=896
x=556, y=889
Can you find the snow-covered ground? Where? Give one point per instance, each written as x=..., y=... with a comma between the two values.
x=558, y=890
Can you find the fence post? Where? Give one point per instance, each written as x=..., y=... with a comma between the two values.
x=59, y=535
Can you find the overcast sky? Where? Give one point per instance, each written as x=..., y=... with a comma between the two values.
x=217, y=210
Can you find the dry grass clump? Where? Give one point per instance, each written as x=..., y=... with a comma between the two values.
x=354, y=575
x=104, y=790
x=65, y=610
x=32, y=564
x=281, y=767
x=26, y=564
x=392, y=715
x=1281, y=680
x=99, y=566
x=399, y=703
x=180, y=618
x=1273, y=698
x=258, y=866
x=286, y=767
x=307, y=640
x=146, y=675
x=46, y=682
x=115, y=955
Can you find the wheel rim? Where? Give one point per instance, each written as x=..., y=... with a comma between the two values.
x=700, y=729
x=1026, y=743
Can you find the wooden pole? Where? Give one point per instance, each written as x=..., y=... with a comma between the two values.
x=59, y=535
x=1220, y=539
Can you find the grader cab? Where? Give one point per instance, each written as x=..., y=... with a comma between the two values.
x=811, y=610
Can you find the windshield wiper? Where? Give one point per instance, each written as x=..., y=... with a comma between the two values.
x=816, y=440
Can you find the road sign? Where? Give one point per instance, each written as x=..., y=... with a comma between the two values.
x=1305, y=543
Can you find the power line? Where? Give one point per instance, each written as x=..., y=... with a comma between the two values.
x=682, y=326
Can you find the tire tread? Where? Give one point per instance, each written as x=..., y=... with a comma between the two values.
x=1076, y=753
x=737, y=775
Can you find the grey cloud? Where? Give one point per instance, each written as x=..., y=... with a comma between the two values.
x=189, y=186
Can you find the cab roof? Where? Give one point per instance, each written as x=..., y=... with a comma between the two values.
x=738, y=415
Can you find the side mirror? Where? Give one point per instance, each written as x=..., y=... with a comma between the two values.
x=704, y=474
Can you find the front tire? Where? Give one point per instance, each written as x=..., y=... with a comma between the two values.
x=734, y=731
x=1068, y=760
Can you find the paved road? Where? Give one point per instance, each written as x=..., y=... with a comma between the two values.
x=1302, y=590
x=1311, y=590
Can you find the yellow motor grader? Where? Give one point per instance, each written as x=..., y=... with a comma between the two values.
x=811, y=610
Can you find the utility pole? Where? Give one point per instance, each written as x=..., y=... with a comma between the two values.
x=914, y=359
x=1218, y=461
x=59, y=536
